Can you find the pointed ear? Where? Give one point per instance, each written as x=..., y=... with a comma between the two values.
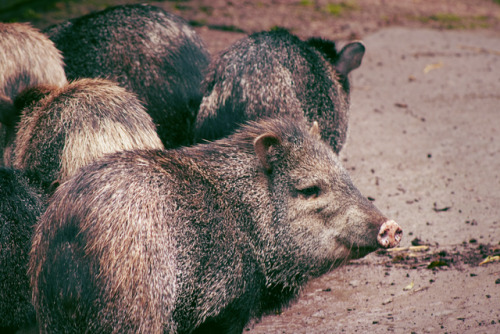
x=314, y=130
x=262, y=144
x=350, y=57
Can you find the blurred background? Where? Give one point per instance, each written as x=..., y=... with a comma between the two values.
x=346, y=19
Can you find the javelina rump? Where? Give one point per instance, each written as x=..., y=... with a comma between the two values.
x=20, y=206
x=200, y=238
x=27, y=58
x=150, y=52
x=63, y=129
x=271, y=73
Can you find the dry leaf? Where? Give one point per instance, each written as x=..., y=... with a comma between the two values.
x=409, y=286
x=490, y=259
x=431, y=67
x=421, y=248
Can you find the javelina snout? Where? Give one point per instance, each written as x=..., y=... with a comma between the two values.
x=390, y=234
x=368, y=229
x=324, y=202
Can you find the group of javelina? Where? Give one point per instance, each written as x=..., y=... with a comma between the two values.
x=141, y=198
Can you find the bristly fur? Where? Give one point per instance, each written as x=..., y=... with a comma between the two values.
x=326, y=47
x=198, y=239
x=71, y=126
x=147, y=50
x=21, y=204
x=27, y=58
x=275, y=73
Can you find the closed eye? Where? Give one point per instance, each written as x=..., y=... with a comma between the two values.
x=309, y=192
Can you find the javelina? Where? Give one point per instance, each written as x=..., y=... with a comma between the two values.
x=21, y=204
x=150, y=52
x=27, y=58
x=270, y=73
x=199, y=238
x=65, y=128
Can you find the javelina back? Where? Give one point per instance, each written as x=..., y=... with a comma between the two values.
x=200, y=238
x=21, y=204
x=150, y=52
x=271, y=73
x=27, y=58
x=63, y=129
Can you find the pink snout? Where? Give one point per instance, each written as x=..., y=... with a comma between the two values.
x=390, y=234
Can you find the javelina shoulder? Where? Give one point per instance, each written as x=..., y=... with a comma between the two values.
x=27, y=58
x=201, y=238
x=64, y=128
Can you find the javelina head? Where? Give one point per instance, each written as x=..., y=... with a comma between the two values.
x=326, y=217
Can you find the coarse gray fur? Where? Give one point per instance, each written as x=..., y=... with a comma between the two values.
x=274, y=72
x=63, y=129
x=21, y=204
x=27, y=58
x=198, y=239
x=148, y=51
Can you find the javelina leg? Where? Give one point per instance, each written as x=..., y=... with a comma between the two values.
x=390, y=234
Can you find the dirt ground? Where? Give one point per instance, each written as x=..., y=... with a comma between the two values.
x=424, y=144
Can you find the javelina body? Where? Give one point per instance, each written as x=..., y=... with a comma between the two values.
x=65, y=128
x=200, y=238
x=27, y=58
x=150, y=52
x=20, y=207
x=271, y=73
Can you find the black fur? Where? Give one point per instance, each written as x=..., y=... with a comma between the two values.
x=275, y=73
x=150, y=52
x=20, y=206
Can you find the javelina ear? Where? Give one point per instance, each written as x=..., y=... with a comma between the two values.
x=314, y=130
x=7, y=111
x=350, y=57
x=262, y=145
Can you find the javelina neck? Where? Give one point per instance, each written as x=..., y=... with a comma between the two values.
x=236, y=173
x=245, y=184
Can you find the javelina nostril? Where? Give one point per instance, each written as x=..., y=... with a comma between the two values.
x=390, y=234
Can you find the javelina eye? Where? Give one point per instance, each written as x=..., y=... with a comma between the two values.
x=309, y=192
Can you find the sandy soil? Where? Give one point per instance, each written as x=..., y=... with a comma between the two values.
x=423, y=144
